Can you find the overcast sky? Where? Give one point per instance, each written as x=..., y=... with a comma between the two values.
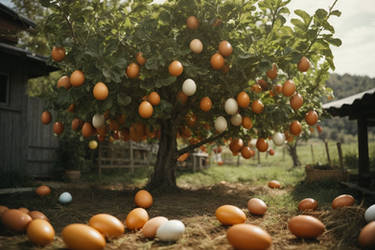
x=356, y=29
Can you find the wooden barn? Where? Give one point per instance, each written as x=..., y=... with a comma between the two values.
x=26, y=146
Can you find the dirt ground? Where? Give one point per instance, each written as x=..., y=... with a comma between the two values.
x=196, y=208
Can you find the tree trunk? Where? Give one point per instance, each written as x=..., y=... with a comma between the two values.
x=292, y=150
x=164, y=176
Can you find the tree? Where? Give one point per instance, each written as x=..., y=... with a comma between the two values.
x=102, y=39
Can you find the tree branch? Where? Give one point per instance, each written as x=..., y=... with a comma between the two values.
x=191, y=147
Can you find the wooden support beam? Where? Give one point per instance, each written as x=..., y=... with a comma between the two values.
x=363, y=160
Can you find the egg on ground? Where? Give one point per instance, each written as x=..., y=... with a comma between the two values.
x=307, y=204
x=151, y=226
x=171, y=230
x=136, y=219
x=246, y=236
x=15, y=220
x=305, y=226
x=367, y=236
x=143, y=199
x=40, y=232
x=230, y=215
x=107, y=225
x=80, y=236
x=370, y=213
x=257, y=206
x=343, y=201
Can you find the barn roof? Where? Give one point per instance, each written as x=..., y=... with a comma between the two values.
x=12, y=15
x=355, y=106
x=38, y=64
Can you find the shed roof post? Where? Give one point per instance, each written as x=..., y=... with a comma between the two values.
x=363, y=160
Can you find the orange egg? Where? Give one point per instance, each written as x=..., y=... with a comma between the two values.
x=305, y=226
x=43, y=190
x=3, y=209
x=246, y=236
x=71, y=108
x=289, y=88
x=256, y=206
x=100, y=91
x=150, y=227
x=183, y=157
x=277, y=89
x=192, y=23
x=262, y=145
x=38, y=215
x=296, y=101
x=140, y=59
x=58, y=128
x=87, y=130
x=132, y=71
x=247, y=123
x=303, y=64
x=263, y=84
x=295, y=128
x=76, y=123
x=143, y=199
x=175, y=68
x=311, y=117
x=40, y=232
x=77, y=78
x=58, y=54
x=80, y=236
x=236, y=145
x=181, y=97
x=205, y=104
x=319, y=128
x=307, y=204
x=64, y=82
x=154, y=98
x=271, y=151
x=136, y=218
x=272, y=73
x=217, y=61
x=256, y=88
x=243, y=99
x=230, y=215
x=24, y=210
x=257, y=106
x=246, y=152
x=225, y=48
x=46, y=117
x=145, y=109
x=107, y=225
x=343, y=200
x=15, y=220
x=274, y=184
x=367, y=236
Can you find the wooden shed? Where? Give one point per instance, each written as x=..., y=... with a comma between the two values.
x=26, y=146
x=360, y=107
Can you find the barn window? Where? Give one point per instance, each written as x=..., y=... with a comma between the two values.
x=4, y=89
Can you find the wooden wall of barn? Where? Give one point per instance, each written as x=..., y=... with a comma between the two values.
x=26, y=145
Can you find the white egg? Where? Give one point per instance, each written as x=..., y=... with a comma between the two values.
x=98, y=120
x=189, y=87
x=231, y=106
x=221, y=124
x=65, y=198
x=236, y=119
x=196, y=46
x=253, y=143
x=278, y=138
x=171, y=230
x=370, y=213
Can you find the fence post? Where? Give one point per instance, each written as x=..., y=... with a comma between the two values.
x=258, y=154
x=327, y=151
x=312, y=153
x=339, y=150
x=238, y=160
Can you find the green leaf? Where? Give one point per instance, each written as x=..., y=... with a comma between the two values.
x=334, y=41
x=328, y=26
x=298, y=23
x=123, y=99
x=336, y=13
x=304, y=15
x=311, y=34
x=321, y=14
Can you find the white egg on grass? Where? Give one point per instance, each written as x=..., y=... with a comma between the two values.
x=171, y=230
x=189, y=87
x=65, y=198
x=236, y=120
x=196, y=46
x=278, y=138
x=231, y=106
x=98, y=120
x=221, y=124
x=370, y=213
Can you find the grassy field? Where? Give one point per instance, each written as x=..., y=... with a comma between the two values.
x=195, y=204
